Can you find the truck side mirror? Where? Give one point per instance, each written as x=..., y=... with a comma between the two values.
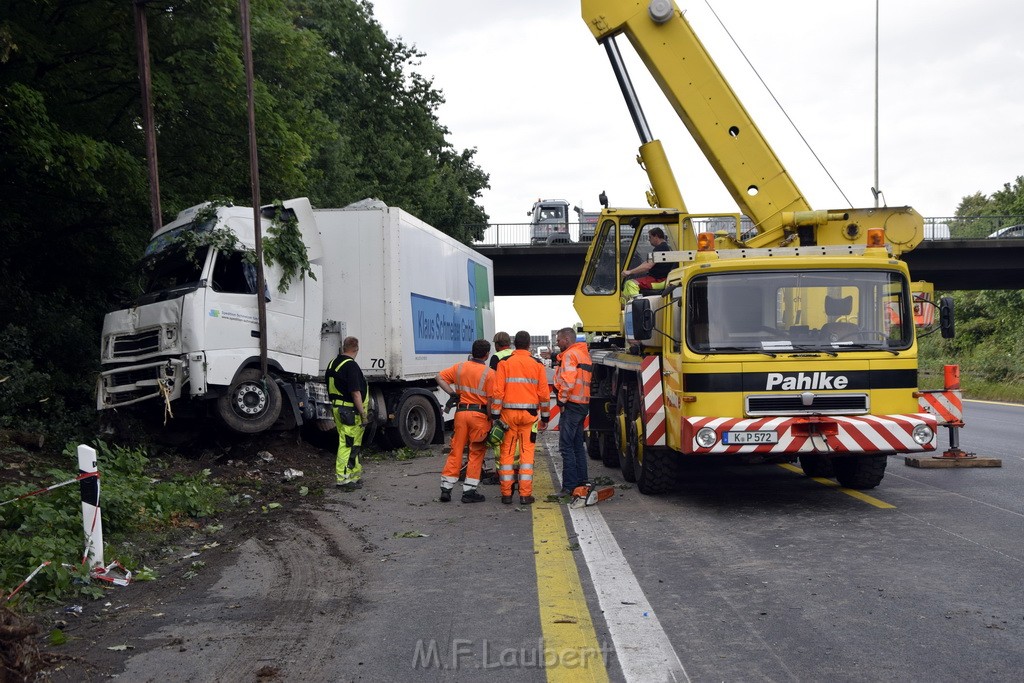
x=946, y=323
x=641, y=320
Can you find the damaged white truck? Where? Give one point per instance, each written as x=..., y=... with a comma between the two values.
x=415, y=297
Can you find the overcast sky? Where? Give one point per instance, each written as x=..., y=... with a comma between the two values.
x=527, y=85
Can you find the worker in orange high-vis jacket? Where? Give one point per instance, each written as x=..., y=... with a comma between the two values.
x=520, y=395
x=572, y=387
x=473, y=382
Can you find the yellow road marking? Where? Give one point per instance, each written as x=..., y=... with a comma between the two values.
x=571, y=650
x=853, y=493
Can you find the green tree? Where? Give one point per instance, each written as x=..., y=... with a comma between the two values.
x=341, y=115
x=391, y=145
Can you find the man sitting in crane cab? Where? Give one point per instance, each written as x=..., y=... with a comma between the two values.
x=655, y=272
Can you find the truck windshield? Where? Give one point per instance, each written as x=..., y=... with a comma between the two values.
x=830, y=311
x=168, y=267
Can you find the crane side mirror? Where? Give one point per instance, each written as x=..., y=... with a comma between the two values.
x=946, y=323
x=640, y=320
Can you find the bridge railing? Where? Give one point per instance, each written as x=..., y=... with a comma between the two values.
x=935, y=228
x=970, y=228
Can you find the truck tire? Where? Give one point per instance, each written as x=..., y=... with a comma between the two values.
x=415, y=422
x=594, y=445
x=656, y=467
x=626, y=446
x=609, y=450
x=250, y=405
x=815, y=465
x=655, y=471
x=860, y=472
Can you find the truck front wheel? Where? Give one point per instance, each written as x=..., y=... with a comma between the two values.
x=860, y=472
x=817, y=466
x=251, y=404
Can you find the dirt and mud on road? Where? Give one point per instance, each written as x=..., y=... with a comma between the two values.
x=329, y=585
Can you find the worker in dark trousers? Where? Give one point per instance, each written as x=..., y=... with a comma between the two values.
x=572, y=384
x=472, y=382
x=349, y=395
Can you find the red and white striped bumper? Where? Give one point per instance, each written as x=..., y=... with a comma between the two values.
x=839, y=434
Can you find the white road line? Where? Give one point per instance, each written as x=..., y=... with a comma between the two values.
x=641, y=645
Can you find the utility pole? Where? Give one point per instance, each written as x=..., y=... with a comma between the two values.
x=254, y=173
x=148, y=126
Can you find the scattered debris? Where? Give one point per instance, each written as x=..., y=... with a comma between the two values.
x=265, y=456
x=290, y=474
x=409, y=534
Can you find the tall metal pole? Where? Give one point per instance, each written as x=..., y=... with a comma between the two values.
x=876, y=188
x=148, y=127
x=254, y=173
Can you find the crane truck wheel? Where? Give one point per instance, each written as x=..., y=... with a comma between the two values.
x=655, y=467
x=624, y=444
x=609, y=450
x=610, y=446
x=250, y=405
x=817, y=466
x=860, y=472
x=415, y=422
x=594, y=445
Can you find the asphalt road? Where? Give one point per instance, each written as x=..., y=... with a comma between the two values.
x=759, y=573
x=745, y=573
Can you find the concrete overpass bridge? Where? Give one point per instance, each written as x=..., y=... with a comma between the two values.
x=949, y=264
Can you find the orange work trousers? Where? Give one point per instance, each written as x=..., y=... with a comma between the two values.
x=470, y=427
x=520, y=427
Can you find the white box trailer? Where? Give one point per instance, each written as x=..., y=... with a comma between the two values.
x=413, y=296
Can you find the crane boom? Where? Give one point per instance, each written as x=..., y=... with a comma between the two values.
x=726, y=134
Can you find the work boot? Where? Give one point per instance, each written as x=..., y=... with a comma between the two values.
x=472, y=496
x=446, y=495
x=526, y=500
x=506, y=500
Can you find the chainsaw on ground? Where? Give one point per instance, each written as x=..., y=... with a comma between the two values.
x=588, y=494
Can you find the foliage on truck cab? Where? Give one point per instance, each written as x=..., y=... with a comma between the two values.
x=282, y=244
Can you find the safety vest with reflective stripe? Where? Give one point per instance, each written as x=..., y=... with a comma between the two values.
x=521, y=384
x=334, y=393
x=472, y=380
x=572, y=378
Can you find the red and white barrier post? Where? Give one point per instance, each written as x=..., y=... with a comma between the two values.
x=89, y=486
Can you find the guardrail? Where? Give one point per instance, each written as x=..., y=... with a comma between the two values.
x=935, y=229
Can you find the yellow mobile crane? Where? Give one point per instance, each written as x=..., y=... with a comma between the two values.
x=782, y=333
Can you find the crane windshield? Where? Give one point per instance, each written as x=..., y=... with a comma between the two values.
x=781, y=311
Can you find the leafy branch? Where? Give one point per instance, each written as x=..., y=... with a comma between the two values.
x=284, y=247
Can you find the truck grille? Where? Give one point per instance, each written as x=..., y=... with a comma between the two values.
x=131, y=345
x=821, y=404
x=148, y=375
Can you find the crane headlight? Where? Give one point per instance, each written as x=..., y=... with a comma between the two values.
x=923, y=434
x=706, y=437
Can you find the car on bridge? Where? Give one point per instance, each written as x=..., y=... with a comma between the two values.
x=1008, y=232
